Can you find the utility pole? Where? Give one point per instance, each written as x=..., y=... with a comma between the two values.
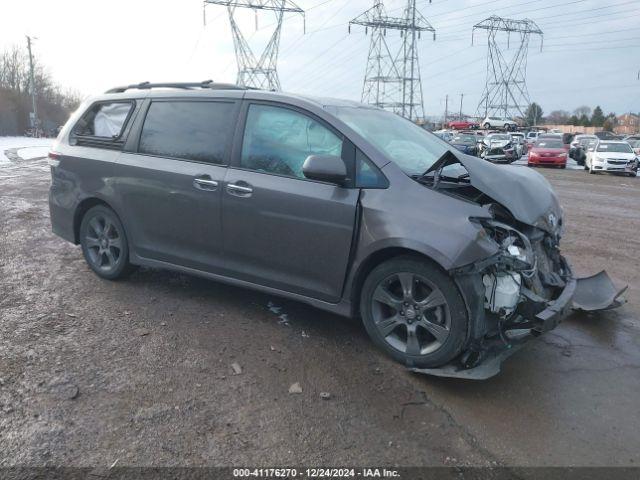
x=505, y=91
x=253, y=71
x=446, y=111
x=32, y=86
x=461, y=98
x=392, y=80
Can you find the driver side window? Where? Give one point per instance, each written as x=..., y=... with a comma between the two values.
x=278, y=140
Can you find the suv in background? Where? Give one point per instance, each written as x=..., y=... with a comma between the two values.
x=499, y=122
x=349, y=208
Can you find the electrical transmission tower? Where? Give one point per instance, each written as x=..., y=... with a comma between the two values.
x=392, y=79
x=253, y=71
x=505, y=92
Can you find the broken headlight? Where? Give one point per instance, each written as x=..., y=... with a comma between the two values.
x=504, y=276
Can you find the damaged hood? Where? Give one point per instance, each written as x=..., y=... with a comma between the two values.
x=524, y=192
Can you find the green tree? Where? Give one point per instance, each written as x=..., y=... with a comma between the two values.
x=584, y=121
x=597, y=118
x=534, y=113
x=608, y=125
x=573, y=120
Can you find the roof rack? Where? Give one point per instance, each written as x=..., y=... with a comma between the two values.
x=183, y=85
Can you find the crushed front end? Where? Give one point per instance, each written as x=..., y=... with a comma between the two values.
x=527, y=289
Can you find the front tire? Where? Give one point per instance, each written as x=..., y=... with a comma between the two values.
x=487, y=126
x=104, y=243
x=414, y=312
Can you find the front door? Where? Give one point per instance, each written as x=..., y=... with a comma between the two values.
x=280, y=229
x=171, y=189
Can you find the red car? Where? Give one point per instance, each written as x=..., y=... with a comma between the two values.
x=463, y=125
x=548, y=151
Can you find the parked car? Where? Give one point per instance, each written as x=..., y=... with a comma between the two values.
x=341, y=205
x=499, y=122
x=631, y=137
x=605, y=135
x=463, y=125
x=579, y=145
x=466, y=143
x=635, y=144
x=531, y=137
x=548, y=152
x=498, y=147
x=612, y=156
x=567, y=138
x=520, y=144
x=445, y=135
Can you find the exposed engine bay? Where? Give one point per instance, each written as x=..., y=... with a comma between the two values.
x=525, y=288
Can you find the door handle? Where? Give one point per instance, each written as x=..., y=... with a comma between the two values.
x=239, y=190
x=205, y=183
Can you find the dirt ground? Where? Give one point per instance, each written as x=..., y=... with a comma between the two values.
x=141, y=371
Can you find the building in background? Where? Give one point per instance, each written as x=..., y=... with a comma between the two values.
x=627, y=124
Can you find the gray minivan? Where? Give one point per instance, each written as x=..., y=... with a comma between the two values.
x=344, y=206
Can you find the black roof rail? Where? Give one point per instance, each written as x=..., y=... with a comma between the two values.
x=183, y=85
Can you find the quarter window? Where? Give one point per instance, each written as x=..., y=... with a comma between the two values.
x=278, y=140
x=104, y=120
x=198, y=131
x=367, y=174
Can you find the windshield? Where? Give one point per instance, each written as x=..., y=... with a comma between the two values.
x=499, y=138
x=549, y=144
x=614, y=147
x=410, y=147
x=464, y=138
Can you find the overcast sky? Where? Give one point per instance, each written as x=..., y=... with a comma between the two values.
x=591, y=52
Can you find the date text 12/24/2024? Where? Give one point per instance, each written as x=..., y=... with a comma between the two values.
x=315, y=473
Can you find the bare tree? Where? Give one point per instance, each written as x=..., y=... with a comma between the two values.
x=582, y=111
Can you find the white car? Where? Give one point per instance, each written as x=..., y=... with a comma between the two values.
x=519, y=143
x=612, y=156
x=499, y=122
x=498, y=147
x=635, y=144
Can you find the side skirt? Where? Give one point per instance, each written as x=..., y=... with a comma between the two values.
x=342, y=308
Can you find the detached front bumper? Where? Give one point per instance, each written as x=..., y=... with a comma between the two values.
x=497, y=351
x=557, y=309
x=593, y=293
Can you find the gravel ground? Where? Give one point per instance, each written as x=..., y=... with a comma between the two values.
x=166, y=369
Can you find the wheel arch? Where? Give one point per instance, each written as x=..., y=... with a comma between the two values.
x=83, y=207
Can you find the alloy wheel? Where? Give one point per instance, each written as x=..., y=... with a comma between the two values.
x=411, y=313
x=104, y=243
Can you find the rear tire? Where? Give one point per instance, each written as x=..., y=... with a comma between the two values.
x=414, y=312
x=104, y=243
x=487, y=126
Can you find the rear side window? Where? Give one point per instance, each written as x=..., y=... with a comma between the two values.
x=198, y=131
x=105, y=120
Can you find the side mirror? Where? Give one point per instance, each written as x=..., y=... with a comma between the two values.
x=325, y=168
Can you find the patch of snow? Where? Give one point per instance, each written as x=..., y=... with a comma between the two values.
x=29, y=153
x=7, y=143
